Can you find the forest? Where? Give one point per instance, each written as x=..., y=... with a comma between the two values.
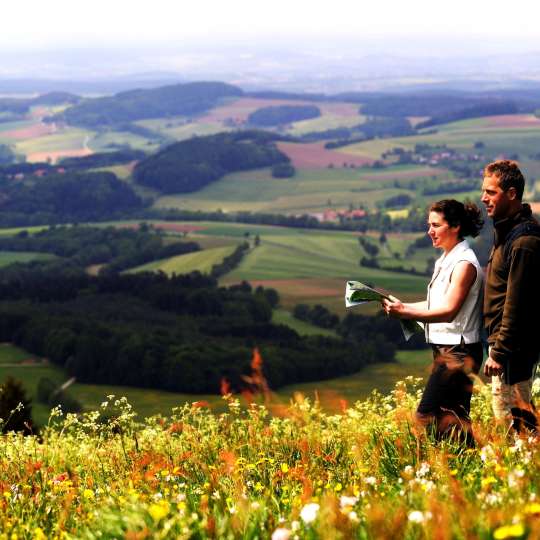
x=116, y=248
x=67, y=197
x=190, y=165
x=181, y=333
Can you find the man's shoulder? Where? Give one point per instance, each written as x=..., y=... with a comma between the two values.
x=527, y=241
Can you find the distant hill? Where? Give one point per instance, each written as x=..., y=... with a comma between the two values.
x=192, y=164
x=18, y=106
x=56, y=98
x=174, y=100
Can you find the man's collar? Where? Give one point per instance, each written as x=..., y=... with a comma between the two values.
x=505, y=225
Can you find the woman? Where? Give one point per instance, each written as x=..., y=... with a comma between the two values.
x=452, y=315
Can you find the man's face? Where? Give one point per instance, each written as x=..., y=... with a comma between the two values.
x=497, y=201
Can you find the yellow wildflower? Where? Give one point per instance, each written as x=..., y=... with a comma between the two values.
x=284, y=468
x=158, y=511
x=509, y=531
x=532, y=508
x=39, y=534
x=488, y=481
x=88, y=494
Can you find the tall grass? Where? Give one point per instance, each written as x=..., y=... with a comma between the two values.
x=268, y=471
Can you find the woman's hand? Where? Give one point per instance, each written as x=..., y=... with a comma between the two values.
x=393, y=307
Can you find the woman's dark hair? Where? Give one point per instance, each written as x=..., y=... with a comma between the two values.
x=467, y=215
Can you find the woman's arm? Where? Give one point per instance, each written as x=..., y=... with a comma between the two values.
x=462, y=280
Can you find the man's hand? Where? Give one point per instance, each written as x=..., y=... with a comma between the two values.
x=491, y=367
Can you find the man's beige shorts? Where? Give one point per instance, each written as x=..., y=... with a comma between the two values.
x=507, y=396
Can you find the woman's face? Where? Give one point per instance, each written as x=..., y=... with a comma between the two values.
x=442, y=235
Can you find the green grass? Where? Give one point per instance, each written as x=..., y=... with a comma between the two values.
x=324, y=122
x=183, y=264
x=106, y=140
x=30, y=375
x=68, y=139
x=282, y=316
x=10, y=257
x=180, y=128
x=381, y=377
x=307, y=191
x=150, y=402
x=121, y=171
x=12, y=231
x=10, y=354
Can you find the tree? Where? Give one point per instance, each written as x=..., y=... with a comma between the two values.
x=15, y=408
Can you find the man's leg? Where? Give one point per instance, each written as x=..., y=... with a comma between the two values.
x=512, y=403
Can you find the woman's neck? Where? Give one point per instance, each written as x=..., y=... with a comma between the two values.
x=448, y=249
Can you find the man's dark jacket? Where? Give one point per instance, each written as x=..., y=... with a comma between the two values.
x=512, y=299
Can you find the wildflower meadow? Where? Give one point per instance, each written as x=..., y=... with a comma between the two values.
x=267, y=471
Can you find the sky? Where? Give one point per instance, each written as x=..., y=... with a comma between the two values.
x=490, y=26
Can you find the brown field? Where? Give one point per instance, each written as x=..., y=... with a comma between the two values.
x=513, y=121
x=35, y=130
x=303, y=288
x=316, y=156
x=54, y=156
x=39, y=112
x=240, y=109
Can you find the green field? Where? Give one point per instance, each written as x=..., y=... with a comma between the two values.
x=150, y=402
x=183, y=264
x=107, y=140
x=307, y=192
x=303, y=265
x=282, y=316
x=180, y=128
x=10, y=257
x=323, y=123
x=65, y=141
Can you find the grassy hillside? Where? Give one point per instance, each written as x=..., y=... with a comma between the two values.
x=307, y=192
x=19, y=364
x=183, y=264
x=10, y=257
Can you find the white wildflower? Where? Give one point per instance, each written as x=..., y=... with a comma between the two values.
x=423, y=470
x=347, y=501
x=281, y=534
x=309, y=512
x=416, y=516
x=353, y=516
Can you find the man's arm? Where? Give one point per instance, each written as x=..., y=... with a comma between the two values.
x=522, y=278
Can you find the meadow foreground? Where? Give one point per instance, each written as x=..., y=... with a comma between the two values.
x=268, y=472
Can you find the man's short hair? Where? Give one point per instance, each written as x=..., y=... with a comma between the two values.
x=508, y=174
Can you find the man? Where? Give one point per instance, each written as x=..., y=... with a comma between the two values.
x=512, y=295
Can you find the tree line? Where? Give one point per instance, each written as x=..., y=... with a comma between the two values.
x=179, y=333
x=118, y=248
